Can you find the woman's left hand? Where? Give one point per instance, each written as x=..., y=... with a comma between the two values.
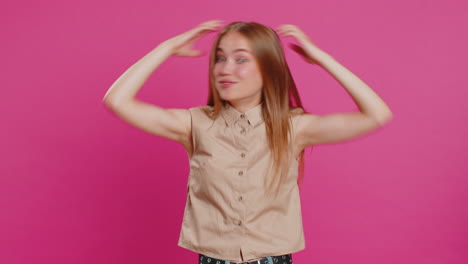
x=309, y=50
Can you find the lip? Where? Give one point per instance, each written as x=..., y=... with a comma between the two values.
x=226, y=80
x=226, y=83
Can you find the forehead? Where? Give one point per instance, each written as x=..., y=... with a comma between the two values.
x=234, y=42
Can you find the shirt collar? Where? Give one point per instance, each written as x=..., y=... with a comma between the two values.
x=253, y=116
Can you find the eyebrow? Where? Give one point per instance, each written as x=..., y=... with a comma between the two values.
x=236, y=50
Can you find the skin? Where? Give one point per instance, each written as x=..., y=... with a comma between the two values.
x=175, y=124
x=337, y=127
x=237, y=65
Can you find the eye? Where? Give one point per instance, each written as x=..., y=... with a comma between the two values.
x=219, y=59
x=242, y=60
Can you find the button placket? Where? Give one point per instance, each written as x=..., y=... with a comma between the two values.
x=243, y=129
x=239, y=197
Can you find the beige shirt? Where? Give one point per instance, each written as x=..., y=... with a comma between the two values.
x=227, y=214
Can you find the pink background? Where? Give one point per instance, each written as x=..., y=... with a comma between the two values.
x=78, y=185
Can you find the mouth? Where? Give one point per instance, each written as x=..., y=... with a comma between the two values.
x=226, y=83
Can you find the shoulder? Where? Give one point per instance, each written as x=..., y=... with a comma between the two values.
x=199, y=107
x=203, y=114
x=295, y=114
x=296, y=111
x=202, y=109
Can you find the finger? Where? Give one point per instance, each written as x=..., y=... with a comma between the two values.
x=287, y=27
x=211, y=24
x=207, y=29
x=302, y=52
x=204, y=29
x=287, y=31
x=298, y=49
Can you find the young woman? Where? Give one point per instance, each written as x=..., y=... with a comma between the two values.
x=246, y=145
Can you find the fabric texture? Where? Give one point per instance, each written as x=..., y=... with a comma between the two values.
x=228, y=215
x=284, y=259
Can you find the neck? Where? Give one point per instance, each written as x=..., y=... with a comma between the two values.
x=242, y=107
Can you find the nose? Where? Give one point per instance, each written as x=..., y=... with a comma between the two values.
x=226, y=67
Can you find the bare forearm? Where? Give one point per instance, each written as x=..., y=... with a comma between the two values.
x=367, y=100
x=129, y=83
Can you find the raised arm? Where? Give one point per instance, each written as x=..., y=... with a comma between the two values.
x=173, y=124
x=317, y=129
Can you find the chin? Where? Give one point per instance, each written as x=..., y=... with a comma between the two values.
x=226, y=96
x=229, y=97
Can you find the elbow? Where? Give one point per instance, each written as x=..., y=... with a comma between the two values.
x=108, y=102
x=112, y=102
x=384, y=118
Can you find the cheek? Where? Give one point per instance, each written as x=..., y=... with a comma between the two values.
x=215, y=69
x=248, y=72
x=252, y=74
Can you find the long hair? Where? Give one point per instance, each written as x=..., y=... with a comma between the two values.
x=279, y=94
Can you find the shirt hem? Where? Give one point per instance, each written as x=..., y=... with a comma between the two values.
x=214, y=255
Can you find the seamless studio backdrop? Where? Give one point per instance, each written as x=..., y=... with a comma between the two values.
x=80, y=186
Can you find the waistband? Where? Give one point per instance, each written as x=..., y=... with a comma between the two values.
x=282, y=259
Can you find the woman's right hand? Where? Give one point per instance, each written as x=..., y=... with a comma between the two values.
x=181, y=45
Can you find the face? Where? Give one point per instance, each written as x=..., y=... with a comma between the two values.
x=237, y=76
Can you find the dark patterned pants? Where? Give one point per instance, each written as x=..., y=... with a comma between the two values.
x=283, y=259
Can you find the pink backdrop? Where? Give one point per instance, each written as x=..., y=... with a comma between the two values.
x=78, y=185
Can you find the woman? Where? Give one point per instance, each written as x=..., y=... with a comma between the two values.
x=247, y=144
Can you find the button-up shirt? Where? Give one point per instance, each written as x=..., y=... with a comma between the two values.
x=227, y=212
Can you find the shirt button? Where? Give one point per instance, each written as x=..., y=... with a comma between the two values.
x=239, y=222
x=242, y=116
x=242, y=154
x=243, y=131
x=241, y=173
x=240, y=198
